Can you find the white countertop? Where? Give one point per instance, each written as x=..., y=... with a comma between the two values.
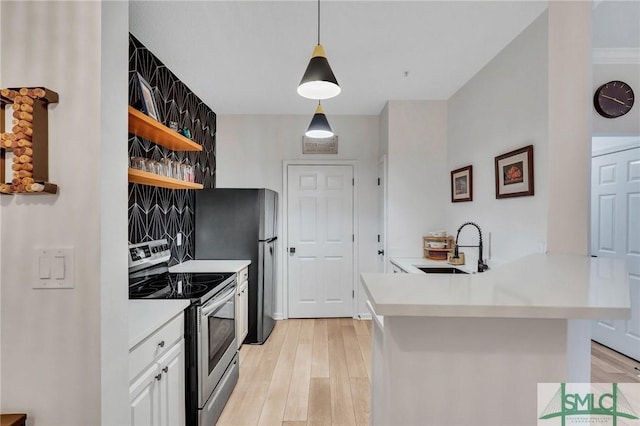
x=535, y=286
x=205, y=266
x=411, y=264
x=145, y=316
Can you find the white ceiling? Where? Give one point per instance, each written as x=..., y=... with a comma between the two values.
x=247, y=57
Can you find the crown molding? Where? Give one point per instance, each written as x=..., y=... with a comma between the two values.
x=623, y=55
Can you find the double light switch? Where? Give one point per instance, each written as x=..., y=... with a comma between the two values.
x=53, y=268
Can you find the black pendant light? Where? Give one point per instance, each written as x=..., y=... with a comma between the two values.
x=319, y=126
x=318, y=81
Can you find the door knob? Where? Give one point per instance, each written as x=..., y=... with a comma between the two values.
x=380, y=251
x=292, y=251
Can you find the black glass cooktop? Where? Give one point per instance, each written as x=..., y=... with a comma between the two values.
x=167, y=285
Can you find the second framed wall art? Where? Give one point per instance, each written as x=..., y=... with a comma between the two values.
x=514, y=173
x=462, y=184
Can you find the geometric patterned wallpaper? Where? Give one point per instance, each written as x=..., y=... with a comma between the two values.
x=156, y=213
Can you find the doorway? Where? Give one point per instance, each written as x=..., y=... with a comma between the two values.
x=615, y=231
x=320, y=237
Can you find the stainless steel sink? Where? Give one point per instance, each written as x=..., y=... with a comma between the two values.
x=442, y=270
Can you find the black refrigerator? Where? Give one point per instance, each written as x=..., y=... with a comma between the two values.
x=237, y=224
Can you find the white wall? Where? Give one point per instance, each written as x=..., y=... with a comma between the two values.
x=417, y=176
x=250, y=150
x=570, y=114
x=114, y=136
x=51, y=339
x=1, y=230
x=502, y=108
x=384, y=130
x=602, y=144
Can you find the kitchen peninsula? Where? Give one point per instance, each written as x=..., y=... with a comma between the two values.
x=465, y=349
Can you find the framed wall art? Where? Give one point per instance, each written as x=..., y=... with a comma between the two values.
x=514, y=173
x=149, y=105
x=462, y=184
x=320, y=145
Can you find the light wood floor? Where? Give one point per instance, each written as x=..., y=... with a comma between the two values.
x=608, y=366
x=312, y=371
x=316, y=372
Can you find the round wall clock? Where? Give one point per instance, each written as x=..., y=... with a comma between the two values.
x=613, y=99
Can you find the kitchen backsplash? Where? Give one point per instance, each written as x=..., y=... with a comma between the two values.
x=156, y=213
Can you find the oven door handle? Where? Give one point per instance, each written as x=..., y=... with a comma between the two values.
x=217, y=302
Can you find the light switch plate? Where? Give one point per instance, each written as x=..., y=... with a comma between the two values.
x=53, y=268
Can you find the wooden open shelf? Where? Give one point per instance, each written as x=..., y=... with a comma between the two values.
x=39, y=139
x=49, y=188
x=437, y=253
x=152, y=179
x=144, y=126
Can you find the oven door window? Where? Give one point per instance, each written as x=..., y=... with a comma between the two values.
x=222, y=331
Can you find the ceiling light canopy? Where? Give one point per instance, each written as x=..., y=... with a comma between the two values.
x=319, y=126
x=318, y=81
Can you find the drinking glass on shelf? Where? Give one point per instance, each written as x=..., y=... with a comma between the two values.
x=137, y=163
x=165, y=167
x=191, y=174
x=152, y=166
x=176, y=170
x=184, y=172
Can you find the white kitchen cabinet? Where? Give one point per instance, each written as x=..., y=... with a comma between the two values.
x=242, y=306
x=377, y=358
x=397, y=270
x=144, y=399
x=157, y=377
x=172, y=386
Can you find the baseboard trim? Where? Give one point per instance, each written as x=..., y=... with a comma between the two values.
x=279, y=316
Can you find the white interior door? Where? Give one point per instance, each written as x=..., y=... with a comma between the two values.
x=615, y=232
x=320, y=240
x=382, y=215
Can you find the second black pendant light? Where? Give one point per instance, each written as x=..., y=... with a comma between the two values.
x=319, y=126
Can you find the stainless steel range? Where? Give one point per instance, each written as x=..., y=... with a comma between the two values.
x=211, y=361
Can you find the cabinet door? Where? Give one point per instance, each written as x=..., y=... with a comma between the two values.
x=144, y=398
x=242, y=306
x=239, y=316
x=244, y=311
x=172, y=386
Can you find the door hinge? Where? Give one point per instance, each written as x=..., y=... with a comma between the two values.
x=378, y=237
x=353, y=238
x=378, y=181
x=353, y=181
x=353, y=294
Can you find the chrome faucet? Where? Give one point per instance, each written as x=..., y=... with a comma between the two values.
x=481, y=265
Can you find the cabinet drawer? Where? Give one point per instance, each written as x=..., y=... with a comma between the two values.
x=155, y=345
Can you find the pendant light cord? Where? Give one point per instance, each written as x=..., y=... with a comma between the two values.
x=318, y=21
